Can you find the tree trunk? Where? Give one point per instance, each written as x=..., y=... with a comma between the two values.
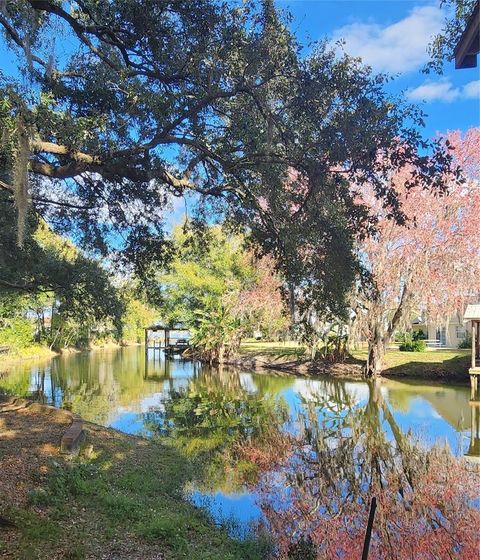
x=376, y=352
x=380, y=338
x=291, y=297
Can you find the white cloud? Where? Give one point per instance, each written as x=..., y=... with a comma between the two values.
x=443, y=90
x=399, y=47
x=472, y=90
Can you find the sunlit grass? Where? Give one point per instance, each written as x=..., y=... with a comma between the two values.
x=251, y=347
x=455, y=360
x=417, y=363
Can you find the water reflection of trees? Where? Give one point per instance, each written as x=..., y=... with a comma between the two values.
x=93, y=384
x=213, y=419
x=344, y=455
x=314, y=482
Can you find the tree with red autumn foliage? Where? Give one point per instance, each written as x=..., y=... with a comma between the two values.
x=260, y=305
x=431, y=262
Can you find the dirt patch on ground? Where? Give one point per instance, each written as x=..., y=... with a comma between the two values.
x=30, y=436
x=121, y=498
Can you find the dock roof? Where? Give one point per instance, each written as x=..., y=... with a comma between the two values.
x=472, y=312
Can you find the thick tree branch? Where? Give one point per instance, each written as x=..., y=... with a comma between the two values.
x=24, y=287
x=52, y=148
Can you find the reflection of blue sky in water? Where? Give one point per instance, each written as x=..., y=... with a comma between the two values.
x=130, y=423
x=235, y=511
x=421, y=418
x=112, y=388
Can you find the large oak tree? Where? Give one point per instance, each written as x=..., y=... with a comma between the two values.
x=118, y=106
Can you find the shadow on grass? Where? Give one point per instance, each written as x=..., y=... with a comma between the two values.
x=351, y=359
x=451, y=368
x=125, y=501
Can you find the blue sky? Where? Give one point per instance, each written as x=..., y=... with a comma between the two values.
x=392, y=36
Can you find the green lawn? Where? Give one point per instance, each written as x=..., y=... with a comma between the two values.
x=454, y=361
x=289, y=348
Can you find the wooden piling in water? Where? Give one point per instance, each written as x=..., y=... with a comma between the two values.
x=368, y=532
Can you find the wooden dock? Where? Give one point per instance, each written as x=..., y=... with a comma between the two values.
x=172, y=340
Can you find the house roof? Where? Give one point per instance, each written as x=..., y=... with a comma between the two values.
x=468, y=47
x=472, y=312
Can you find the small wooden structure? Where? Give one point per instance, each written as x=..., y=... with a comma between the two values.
x=472, y=314
x=473, y=452
x=172, y=340
x=468, y=46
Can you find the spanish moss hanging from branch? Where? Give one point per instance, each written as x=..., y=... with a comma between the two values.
x=20, y=177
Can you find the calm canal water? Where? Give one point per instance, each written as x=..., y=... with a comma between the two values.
x=269, y=448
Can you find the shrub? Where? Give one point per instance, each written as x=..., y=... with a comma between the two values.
x=419, y=335
x=466, y=342
x=413, y=346
x=399, y=336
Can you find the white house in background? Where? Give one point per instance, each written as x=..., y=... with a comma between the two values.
x=446, y=334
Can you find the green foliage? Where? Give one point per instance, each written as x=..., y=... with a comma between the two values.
x=50, y=289
x=49, y=271
x=442, y=46
x=205, y=97
x=204, y=270
x=408, y=336
x=218, y=288
x=466, y=342
x=419, y=335
x=412, y=344
x=217, y=333
x=333, y=347
x=136, y=317
x=16, y=332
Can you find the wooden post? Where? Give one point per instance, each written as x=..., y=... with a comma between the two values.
x=146, y=349
x=474, y=344
x=368, y=533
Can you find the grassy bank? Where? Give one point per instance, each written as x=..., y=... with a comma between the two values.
x=440, y=362
x=32, y=352
x=124, y=501
x=432, y=363
x=38, y=352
